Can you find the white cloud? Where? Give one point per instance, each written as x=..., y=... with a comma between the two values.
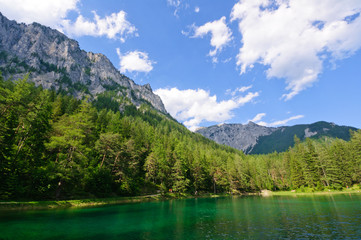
x=257, y=118
x=293, y=38
x=54, y=14
x=196, y=9
x=221, y=35
x=46, y=12
x=114, y=26
x=280, y=122
x=176, y=4
x=195, y=106
x=135, y=61
x=238, y=90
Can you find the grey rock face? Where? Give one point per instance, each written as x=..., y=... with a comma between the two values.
x=239, y=136
x=255, y=139
x=309, y=133
x=55, y=61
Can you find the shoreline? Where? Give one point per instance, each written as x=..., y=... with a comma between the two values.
x=79, y=203
x=330, y=192
x=99, y=202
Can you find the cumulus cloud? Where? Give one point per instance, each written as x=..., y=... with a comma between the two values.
x=280, y=122
x=54, y=14
x=135, y=61
x=114, y=26
x=195, y=106
x=294, y=38
x=45, y=12
x=221, y=35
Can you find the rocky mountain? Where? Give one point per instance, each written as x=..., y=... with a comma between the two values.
x=242, y=137
x=255, y=139
x=56, y=61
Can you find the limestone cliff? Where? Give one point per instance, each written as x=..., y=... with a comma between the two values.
x=240, y=136
x=56, y=61
x=255, y=139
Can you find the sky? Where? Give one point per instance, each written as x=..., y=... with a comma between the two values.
x=273, y=62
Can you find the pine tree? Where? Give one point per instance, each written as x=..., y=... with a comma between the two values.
x=312, y=177
x=70, y=144
x=296, y=164
x=355, y=151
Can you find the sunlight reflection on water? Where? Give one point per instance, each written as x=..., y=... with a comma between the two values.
x=326, y=217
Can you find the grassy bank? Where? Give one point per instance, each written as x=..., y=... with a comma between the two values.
x=285, y=193
x=309, y=191
x=40, y=205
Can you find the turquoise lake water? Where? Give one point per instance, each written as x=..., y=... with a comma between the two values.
x=278, y=217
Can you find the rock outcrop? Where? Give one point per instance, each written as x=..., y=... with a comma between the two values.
x=56, y=61
x=255, y=139
x=239, y=136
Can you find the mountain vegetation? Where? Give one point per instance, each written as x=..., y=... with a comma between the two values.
x=281, y=139
x=54, y=61
x=252, y=138
x=72, y=126
x=54, y=146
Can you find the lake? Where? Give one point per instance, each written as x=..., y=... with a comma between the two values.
x=276, y=217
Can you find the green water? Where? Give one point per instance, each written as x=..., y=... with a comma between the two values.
x=281, y=217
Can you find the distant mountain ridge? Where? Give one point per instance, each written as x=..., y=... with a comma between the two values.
x=56, y=61
x=239, y=136
x=255, y=139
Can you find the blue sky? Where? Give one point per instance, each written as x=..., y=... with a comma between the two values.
x=275, y=62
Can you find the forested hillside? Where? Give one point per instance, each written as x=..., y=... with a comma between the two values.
x=54, y=146
x=281, y=139
x=252, y=138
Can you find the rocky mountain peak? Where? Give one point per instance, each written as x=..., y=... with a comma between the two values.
x=250, y=123
x=241, y=136
x=56, y=61
x=147, y=86
x=253, y=138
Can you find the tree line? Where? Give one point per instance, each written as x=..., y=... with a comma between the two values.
x=53, y=146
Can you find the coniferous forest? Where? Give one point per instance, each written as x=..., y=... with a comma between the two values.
x=53, y=146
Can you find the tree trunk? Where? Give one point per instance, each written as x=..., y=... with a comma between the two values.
x=101, y=165
x=324, y=174
x=214, y=186
x=115, y=161
x=58, y=190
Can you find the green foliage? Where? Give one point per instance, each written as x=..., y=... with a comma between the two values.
x=12, y=65
x=81, y=87
x=50, y=67
x=114, y=87
x=87, y=71
x=282, y=139
x=54, y=146
x=3, y=56
x=107, y=100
